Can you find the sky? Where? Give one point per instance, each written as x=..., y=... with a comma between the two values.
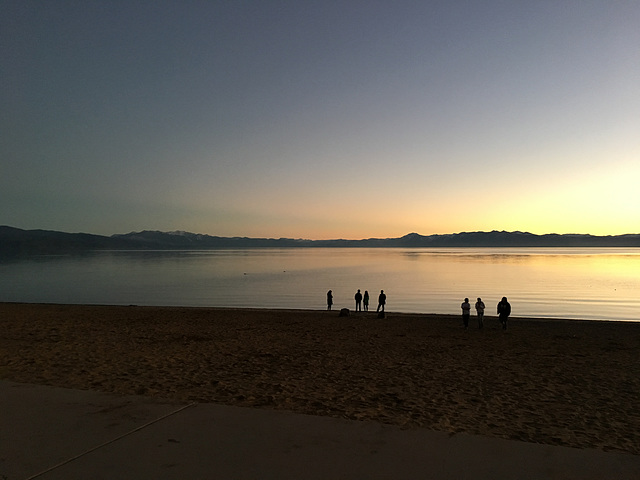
x=320, y=119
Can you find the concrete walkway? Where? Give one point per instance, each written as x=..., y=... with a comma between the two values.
x=53, y=433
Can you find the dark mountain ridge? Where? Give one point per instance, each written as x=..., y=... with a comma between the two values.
x=15, y=241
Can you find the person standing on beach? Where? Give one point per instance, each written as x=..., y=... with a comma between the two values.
x=382, y=300
x=366, y=300
x=480, y=312
x=504, y=310
x=329, y=300
x=358, y=298
x=466, y=312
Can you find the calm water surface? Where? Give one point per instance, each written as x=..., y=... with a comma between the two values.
x=587, y=283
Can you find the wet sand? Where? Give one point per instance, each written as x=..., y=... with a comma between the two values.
x=558, y=382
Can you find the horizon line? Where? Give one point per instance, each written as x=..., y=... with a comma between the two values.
x=183, y=232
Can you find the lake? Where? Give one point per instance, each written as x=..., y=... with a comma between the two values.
x=573, y=283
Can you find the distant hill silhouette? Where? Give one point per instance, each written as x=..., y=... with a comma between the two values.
x=16, y=242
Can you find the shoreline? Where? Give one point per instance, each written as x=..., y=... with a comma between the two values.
x=552, y=381
x=336, y=310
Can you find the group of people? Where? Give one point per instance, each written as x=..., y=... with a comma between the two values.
x=504, y=310
x=504, y=307
x=361, y=300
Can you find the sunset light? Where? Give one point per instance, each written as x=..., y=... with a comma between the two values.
x=321, y=121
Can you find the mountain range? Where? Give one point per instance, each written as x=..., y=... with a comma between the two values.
x=16, y=242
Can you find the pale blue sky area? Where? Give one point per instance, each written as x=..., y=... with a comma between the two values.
x=346, y=119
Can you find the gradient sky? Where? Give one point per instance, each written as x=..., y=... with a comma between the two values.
x=326, y=119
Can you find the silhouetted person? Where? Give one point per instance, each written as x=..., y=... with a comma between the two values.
x=382, y=300
x=366, y=301
x=466, y=312
x=480, y=312
x=329, y=300
x=358, y=298
x=504, y=310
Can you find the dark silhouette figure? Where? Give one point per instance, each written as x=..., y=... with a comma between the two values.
x=382, y=300
x=329, y=300
x=466, y=312
x=358, y=298
x=480, y=312
x=504, y=310
x=366, y=301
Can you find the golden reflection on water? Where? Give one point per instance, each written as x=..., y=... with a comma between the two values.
x=568, y=283
x=571, y=283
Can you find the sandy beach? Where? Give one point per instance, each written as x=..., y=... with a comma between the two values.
x=558, y=382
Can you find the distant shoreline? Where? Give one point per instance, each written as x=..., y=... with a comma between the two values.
x=18, y=242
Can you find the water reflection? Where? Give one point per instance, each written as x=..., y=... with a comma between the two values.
x=569, y=283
